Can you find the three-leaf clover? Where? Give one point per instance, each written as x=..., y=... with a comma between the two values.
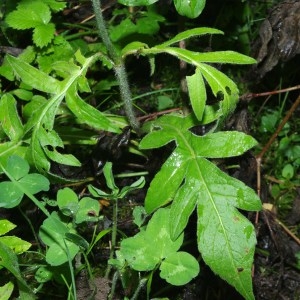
x=154, y=247
x=12, y=192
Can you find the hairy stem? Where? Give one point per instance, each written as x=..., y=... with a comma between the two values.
x=121, y=76
x=119, y=67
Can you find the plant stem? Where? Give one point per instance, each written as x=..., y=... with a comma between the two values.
x=119, y=67
x=32, y=229
x=125, y=92
x=113, y=235
x=113, y=285
x=138, y=289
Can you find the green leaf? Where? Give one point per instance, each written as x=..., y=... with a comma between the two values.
x=35, y=183
x=6, y=226
x=189, y=34
x=88, y=210
x=185, y=201
x=138, y=184
x=8, y=149
x=109, y=178
x=139, y=215
x=55, y=5
x=65, y=197
x=43, y=34
x=15, y=243
x=9, y=195
x=17, y=167
x=223, y=144
x=195, y=58
x=125, y=28
x=12, y=192
x=44, y=121
x=197, y=93
x=9, y=260
x=158, y=230
x=23, y=94
x=221, y=86
x=29, y=14
x=52, y=233
x=137, y=252
x=87, y=114
x=164, y=102
x=191, y=9
x=137, y=2
x=234, y=236
x=78, y=240
x=226, y=239
x=148, y=24
x=65, y=159
x=98, y=193
x=9, y=117
x=148, y=248
x=33, y=77
x=133, y=48
x=179, y=268
x=224, y=57
x=6, y=291
x=67, y=201
x=43, y=274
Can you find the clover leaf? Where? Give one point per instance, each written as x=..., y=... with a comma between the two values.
x=154, y=247
x=12, y=192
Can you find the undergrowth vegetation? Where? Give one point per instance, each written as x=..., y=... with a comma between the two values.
x=68, y=113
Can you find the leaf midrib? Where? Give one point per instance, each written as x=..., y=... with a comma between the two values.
x=193, y=157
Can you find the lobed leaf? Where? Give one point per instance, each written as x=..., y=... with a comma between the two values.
x=185, y=201
x=226, y=239
x=29, y=14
